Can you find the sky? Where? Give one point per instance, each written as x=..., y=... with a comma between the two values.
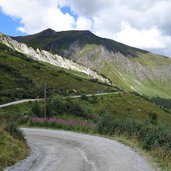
x=145, y=24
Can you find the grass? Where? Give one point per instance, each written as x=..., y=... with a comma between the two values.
x=151, y=60
x=127, y=81
x=124, y=106
x=77, y=125
x=13, y=146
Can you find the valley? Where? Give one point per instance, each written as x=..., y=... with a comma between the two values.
x=94, y=86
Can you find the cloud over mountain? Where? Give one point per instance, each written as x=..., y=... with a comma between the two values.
x=144, y=24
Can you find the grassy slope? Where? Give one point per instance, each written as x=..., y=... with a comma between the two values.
x=130, y=83
x=127, y=81
x=126, y=105
x=22, y=77
x=151, y=60
x=121, y=105
x=12, y=150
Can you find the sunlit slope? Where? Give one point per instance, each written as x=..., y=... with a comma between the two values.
x=130, y=68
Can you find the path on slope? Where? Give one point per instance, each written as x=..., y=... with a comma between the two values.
x=76, y=96
x=54, y=150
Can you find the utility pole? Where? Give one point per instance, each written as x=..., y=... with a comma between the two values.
x=45, y=100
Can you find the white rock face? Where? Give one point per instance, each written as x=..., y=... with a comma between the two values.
x=53, y=59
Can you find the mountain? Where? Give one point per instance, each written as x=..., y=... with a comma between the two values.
x=23, y=77
x=48, y=57
x=131, y=68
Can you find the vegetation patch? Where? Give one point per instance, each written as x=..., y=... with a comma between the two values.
x=151, y=137
x=12, y=143
x=67, y=124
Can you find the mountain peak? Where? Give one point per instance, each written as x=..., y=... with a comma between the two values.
x=48, y=31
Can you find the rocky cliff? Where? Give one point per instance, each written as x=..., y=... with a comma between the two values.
x=46, y=56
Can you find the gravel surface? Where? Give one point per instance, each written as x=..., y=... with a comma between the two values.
x=17, y=102
x=67, y=151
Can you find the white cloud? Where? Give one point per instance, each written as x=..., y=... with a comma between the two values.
x=141, y=23
x=83, y=23
x=37, y=15
x=141, y=38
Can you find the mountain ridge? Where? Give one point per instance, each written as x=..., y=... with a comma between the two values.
x=131, y=68
x=45, y=56
x=85, y=36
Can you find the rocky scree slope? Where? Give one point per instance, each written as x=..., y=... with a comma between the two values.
x=131, y=68
x=53, y=59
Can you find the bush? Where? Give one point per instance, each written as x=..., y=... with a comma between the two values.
x=59, y=105
x=153, y=137
x=84, y=97
x=37, y=109
x=152, y=118
x=93, y=99
x=16, y=132
x=149, y=135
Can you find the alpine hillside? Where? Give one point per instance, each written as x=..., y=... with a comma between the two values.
x=131, y=68
x=24, y=77
x=48, y=57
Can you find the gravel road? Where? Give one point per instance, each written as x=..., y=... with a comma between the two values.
x=17, y=102
x=67, y=151
x=31, y=100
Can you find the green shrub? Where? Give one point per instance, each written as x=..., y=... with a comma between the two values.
x=154, y=136
x=37, y=109
x=149, y=135
x=84, y=97
x=14, y=131
x=152, y=118
x=93, y=99
x=59, y=105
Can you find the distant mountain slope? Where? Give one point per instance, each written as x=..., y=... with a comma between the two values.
x=23, y=77
x=131, y=68
x=58, y=42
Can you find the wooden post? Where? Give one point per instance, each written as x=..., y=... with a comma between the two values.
x=45, y=100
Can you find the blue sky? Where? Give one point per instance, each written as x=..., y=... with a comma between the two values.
x=8, y=25
x=146, y=26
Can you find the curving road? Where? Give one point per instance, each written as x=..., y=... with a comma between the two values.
x=18, y=102
x=67, y=151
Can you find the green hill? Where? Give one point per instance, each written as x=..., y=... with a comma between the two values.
x=22, y=77
x=131, y=68
x=13, y=146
